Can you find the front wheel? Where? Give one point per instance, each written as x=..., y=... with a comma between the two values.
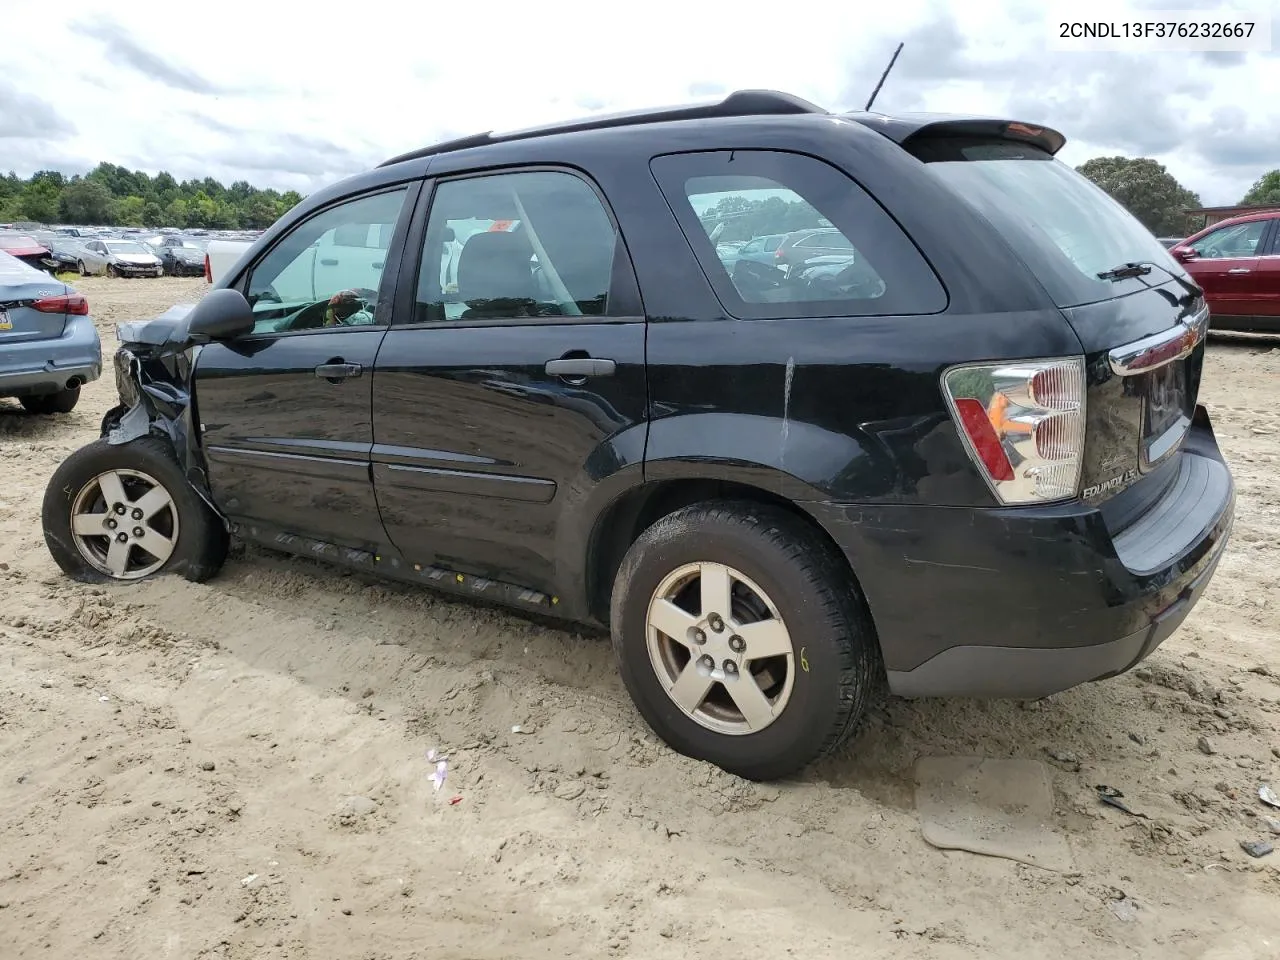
x=741, y=638
x=112, y=271
x=126, y=512
x=81, y=267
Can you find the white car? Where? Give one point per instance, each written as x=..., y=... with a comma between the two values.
x=119, y=258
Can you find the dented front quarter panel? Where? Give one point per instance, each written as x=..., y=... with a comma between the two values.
x=153, y=369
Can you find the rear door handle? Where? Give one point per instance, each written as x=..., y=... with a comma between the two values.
x=580, y=367
x=328, y=262
x=1238, y=270
x=336, y=371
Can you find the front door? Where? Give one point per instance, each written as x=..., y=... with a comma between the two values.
x=285, y=412
x=500, y=406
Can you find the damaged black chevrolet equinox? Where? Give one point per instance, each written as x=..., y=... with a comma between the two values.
x=946, y=435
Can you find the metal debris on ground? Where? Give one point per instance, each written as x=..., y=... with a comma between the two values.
x=439, y=773
x=1124, y=909
x=1113, y=798
x=454, y=801
x=1268, y=796
x=1256, y=848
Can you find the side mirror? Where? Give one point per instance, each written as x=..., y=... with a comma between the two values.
x=221, y=315
x=1183, y=254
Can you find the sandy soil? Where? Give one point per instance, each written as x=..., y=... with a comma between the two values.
x=239, y=769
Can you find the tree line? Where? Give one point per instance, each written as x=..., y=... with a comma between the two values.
x=114, y=196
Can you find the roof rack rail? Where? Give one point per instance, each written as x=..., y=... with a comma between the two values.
x=740, y=103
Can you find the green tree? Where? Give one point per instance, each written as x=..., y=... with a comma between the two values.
x=40, y=201
x=129, y=211
x=1146, y=189
x=88, y=201
x=175, y=214
x=1265, y=191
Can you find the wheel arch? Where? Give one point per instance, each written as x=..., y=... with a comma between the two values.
x=638, y=508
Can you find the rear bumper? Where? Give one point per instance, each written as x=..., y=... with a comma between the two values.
x=46, y=366
x=1027, y=602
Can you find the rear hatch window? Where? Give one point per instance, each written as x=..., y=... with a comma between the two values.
x=1066, y=229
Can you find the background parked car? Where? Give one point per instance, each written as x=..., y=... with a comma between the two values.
x=760, y=249
x=180, y=256
x=119, y=258
x=28, y=249
x=803, y=246
x=1237, y=262
x=49, y=346
x=66, y=250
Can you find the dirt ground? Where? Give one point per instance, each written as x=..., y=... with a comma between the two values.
x=239, y=769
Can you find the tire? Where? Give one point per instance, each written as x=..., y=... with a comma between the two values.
x=83, y=271
x=196, y=549
x=834, y=664
x=112, y=271
x=64, y=401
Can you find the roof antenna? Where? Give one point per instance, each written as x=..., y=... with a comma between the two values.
x=892, y=61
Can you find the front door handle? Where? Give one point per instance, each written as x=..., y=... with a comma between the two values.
x=335, y=371
x=580, y=367
x=328, y=262
x=1238, y=270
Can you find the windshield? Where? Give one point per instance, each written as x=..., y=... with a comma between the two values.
x=126, y=246
x=1066, y=229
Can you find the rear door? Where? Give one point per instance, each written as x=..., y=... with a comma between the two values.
x=1267, y=277
x=501, y=408
x=22, y=287
x=1226, y=265
x=285, y=411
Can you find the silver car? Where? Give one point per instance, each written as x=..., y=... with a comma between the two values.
x=49, y=346
x=119, y=258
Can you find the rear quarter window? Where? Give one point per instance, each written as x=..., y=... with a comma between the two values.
x=871, y=268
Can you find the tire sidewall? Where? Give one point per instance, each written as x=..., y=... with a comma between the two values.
x=148, y=455
x=814, y=706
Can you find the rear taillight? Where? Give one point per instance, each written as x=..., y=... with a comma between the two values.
x=208, y=271
x=75, y=305
x=1023, y=425
x=779, y=254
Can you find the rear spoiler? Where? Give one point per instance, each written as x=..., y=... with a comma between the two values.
x=906, y=127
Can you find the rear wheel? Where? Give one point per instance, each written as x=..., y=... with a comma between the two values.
x=64, y=401
x=741, y=638
x=126, y=512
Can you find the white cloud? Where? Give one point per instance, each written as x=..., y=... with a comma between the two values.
x=294, y=96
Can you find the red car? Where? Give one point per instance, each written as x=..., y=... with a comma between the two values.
x=28, y=250
x=1237, y=262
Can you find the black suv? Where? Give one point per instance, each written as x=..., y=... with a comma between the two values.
x=971, y=463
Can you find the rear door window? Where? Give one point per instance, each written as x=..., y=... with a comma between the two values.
x=865, y=266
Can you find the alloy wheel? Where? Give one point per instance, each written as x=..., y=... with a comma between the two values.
x=125, y=524
x=720, y=649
